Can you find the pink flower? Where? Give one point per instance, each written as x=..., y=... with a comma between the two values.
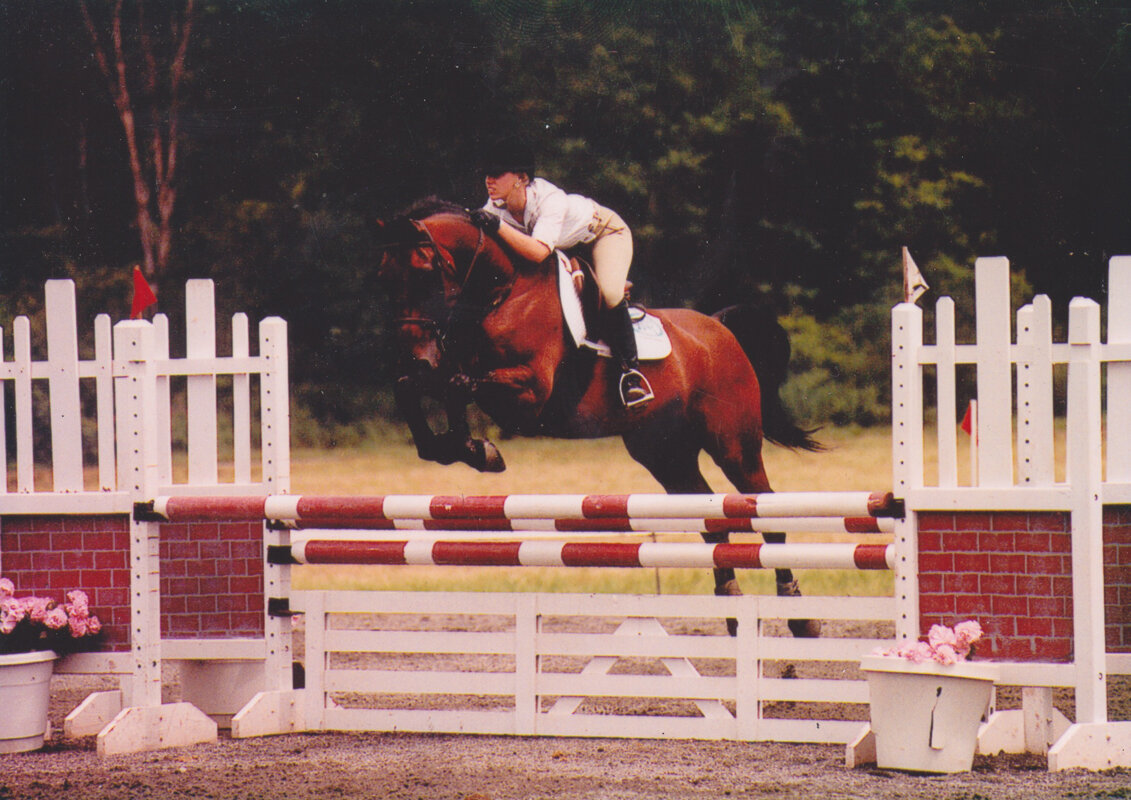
x=56, y=619
x=940, y=635
x=37, y=607
x=13, y=610
x=28, y=623
x=943, y=645
x=78, y=604
x=966, y=633
x=945, y=654
x=915, y=652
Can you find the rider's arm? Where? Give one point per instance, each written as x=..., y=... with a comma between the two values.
x=526, y=246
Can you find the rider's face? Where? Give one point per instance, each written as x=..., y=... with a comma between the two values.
x=505, y=186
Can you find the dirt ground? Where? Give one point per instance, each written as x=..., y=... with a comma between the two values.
x=502, y=768
x=507, y=768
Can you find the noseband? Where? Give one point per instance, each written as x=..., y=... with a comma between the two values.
x=443, y=263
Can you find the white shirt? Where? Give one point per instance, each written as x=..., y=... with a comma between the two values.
x=552, y=217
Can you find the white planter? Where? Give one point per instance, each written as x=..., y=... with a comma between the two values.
x=925, y=717
x=25, y=689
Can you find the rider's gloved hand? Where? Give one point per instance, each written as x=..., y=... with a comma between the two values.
x=485, y=220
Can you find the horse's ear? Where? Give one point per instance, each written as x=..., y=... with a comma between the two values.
x=397, y=232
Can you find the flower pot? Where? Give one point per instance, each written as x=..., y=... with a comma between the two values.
x=25, y=689
x=925, y=717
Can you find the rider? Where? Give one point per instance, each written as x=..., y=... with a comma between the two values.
x=540, y=218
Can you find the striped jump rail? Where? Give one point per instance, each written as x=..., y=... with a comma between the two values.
x=354, y=511
x=587, y=554
x=609, y=525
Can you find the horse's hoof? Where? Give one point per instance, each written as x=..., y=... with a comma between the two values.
x=730, y=589
x=484, y=456
x=492, y=458
x=805, y=628
x=800, y=628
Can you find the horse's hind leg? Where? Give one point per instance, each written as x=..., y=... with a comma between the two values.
x=676, y=466
x=748, y=474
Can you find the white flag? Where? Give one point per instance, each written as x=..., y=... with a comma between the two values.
x=913, y=283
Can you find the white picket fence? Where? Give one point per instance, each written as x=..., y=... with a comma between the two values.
x=69, y=488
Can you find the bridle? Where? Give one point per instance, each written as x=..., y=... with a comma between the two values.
x=444, y=263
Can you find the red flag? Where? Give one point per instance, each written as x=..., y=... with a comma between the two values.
x=970, y=421
x=143, y=295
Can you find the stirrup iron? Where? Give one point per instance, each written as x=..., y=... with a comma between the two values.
x=643, y=390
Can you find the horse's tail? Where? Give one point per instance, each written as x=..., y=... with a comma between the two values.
x=766, y=344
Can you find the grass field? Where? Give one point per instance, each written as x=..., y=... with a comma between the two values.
x=854, y=460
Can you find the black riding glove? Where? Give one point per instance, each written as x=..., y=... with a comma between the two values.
x=485, y=220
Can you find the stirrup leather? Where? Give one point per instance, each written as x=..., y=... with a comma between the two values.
x=635, y=389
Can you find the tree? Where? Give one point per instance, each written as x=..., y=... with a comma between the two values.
x=153, y=163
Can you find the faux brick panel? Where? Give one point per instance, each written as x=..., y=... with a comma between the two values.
x=1053, y=521
x=953, y=583
x=215, y=572
x=204, y=531
x=1040, y=542
x=1014, y=563
x=972, y=606
x=998, y=542
x=1034, y=626
x=935, y=521
x=1012, y=606
x=998, y=584
x=971, y=562
x=961, y=542
x=1003, y=569
x=1117, y=578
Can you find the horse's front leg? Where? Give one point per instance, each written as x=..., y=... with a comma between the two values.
x=479, y=454
x=409, y=392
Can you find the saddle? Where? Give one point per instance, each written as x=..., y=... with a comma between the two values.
x=579, y=299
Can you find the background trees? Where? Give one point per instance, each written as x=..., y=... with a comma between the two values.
x=764, y=151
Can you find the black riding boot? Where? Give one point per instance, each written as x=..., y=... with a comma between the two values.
x=634, y=387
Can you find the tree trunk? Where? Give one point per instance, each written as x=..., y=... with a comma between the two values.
x=153, y=164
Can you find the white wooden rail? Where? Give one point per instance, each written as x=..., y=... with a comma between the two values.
x=513, y=654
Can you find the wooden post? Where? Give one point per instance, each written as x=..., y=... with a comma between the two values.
x=995, y=373
x=63, y=380
x=144, y=724
x=200, y=343
x=907, y=457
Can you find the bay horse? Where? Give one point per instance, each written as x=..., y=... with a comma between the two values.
x=477, y=324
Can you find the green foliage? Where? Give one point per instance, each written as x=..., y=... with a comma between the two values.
x=760, y=152
x=834, y=366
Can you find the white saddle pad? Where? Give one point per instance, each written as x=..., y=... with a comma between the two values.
x=652, y=342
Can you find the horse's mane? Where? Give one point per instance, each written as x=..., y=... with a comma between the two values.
x=400, y=229
x=430, y=205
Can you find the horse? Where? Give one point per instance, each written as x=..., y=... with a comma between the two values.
x=476, y=324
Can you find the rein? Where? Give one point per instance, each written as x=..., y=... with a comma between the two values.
x=447, y=266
